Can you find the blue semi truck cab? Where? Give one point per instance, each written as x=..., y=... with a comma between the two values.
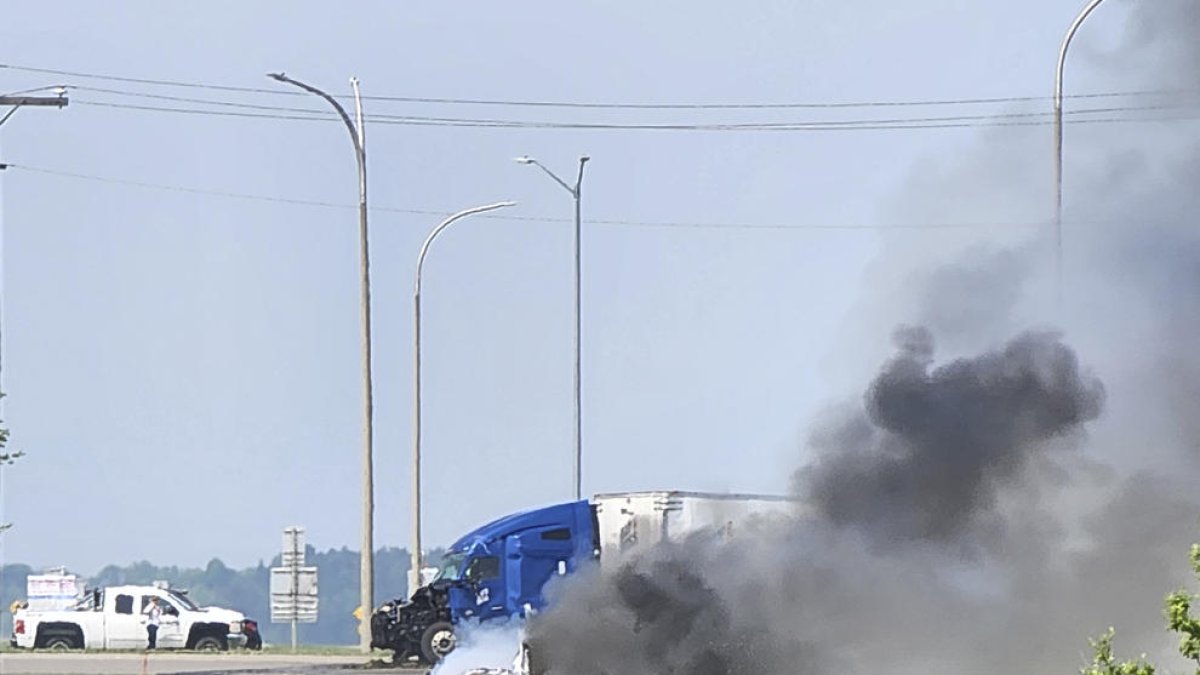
x=498, y=571
x=494, y=572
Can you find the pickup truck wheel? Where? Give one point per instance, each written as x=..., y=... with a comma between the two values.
x=208, y=643
x=60, y=643
x=438, y=641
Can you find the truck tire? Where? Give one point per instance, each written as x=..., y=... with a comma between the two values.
x=60, y=643
x=59, y=637
x=438, y=641
x=210, y=643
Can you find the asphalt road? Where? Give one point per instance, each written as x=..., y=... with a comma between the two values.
x=45, y=663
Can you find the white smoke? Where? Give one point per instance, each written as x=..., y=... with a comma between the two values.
x=486, y=645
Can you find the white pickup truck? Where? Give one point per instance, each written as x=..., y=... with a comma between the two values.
x=114, y=618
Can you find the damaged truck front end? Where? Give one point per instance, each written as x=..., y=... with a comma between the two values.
x=494, y=573
x=418, y=628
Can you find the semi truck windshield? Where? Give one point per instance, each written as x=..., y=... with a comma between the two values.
x=452, y=566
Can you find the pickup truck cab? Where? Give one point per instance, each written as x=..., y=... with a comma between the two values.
x=114, y=618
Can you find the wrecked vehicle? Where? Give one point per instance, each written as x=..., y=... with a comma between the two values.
x=498, y=571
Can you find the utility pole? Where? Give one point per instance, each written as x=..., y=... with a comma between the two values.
x=17, y=100
x=20, y=100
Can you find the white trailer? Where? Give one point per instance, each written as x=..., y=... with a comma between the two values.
x=52, y=590
x=629, y=522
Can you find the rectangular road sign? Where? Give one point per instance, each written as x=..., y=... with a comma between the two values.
x=293, y=546
x=294, y=595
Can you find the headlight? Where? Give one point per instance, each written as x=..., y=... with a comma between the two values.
x=235, y=626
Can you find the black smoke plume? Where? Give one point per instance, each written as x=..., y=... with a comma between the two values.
x=925, y=458
x=982, y=450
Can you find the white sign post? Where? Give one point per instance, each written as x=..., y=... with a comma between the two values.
x=293, y=585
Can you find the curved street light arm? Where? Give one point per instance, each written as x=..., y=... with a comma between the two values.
x=446, y=223
x=1062, y=52
x=414, y=579
x=355, y=134
x=1058, y=144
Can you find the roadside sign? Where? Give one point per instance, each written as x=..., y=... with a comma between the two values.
x=293, y=586
x=293, y=547
x=298, y=605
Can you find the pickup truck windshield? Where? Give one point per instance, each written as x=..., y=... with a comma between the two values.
x=183, y=601
x=452, y=566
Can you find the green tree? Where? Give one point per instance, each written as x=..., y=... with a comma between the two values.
x=6, y=457
x=1179, y=615
x=1104, y=663
x=1178, y=611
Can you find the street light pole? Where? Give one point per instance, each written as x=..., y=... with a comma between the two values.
x=414, y=574
x=576, y=192
x=1058, y=145
x=367, y=557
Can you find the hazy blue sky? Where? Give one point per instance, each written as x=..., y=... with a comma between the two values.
x=183, y=369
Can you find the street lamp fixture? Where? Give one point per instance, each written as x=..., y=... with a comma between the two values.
x=576, y=192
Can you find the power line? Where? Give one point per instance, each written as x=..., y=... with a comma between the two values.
x=406, y=118
x=188, y=99
x=540, y=219
x=942, y=122
x=601, y=105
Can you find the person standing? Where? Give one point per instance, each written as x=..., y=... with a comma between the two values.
x=153, y=615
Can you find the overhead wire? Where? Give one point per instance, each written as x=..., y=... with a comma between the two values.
x=541, y=219
x=931, y=122
x=596, y=104
x=231, y=108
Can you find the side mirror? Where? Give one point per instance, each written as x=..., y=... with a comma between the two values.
x=171, y=611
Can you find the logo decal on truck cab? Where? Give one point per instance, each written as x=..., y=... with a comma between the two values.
x=483, y=595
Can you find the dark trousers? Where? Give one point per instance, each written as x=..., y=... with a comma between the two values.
x=152, y=636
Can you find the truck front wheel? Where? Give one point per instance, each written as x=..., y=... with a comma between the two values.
x=438, y=641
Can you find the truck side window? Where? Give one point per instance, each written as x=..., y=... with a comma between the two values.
x=124, y=604
x=482, y=569
x=167, y=608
